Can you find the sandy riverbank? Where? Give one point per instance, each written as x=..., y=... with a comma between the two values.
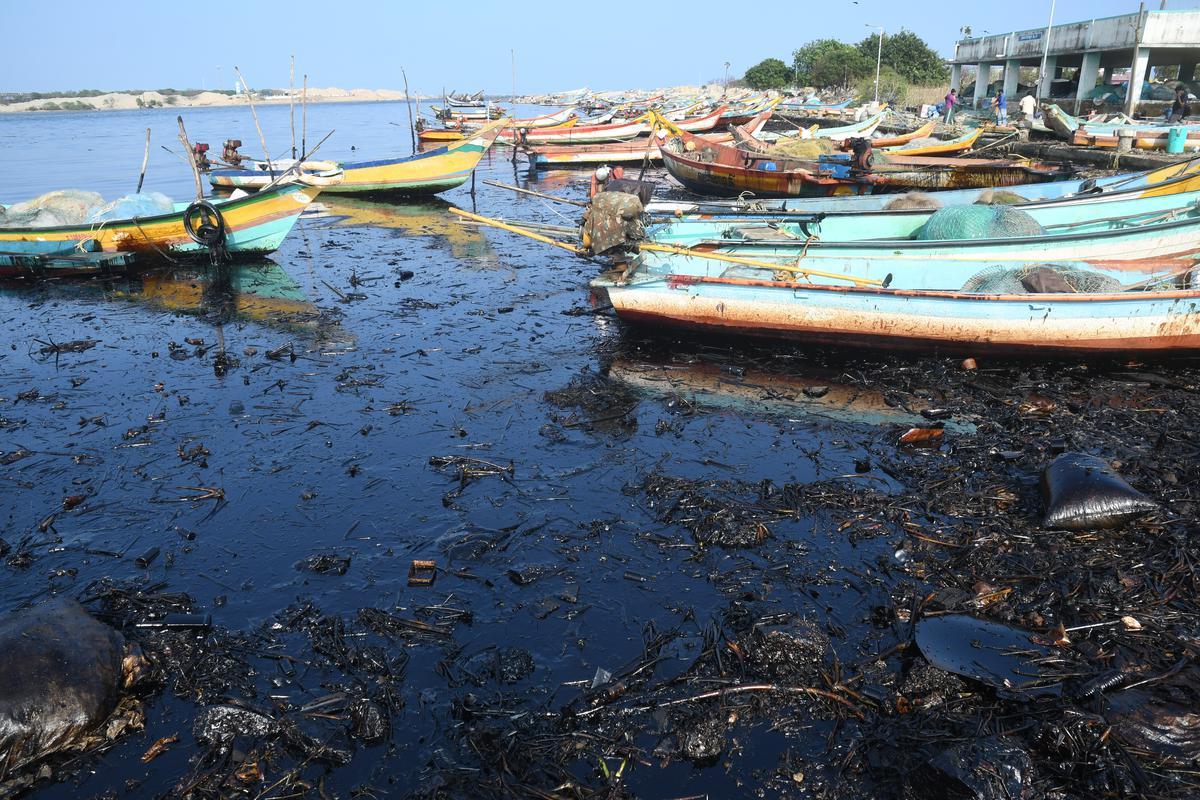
x=118, y=101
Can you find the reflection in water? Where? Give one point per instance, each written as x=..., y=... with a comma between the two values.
x=760, y=392
x=413, y=219
x=259, y=292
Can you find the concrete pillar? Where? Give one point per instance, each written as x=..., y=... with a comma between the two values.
x=983, y=76
x=1088, y=70
x=1051, y=67
x=1187, y=71
x=956, y=77
x=1012, y=74
x=1137, y=77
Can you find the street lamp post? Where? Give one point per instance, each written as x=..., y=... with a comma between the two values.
x=878, y=59
x=726, y=77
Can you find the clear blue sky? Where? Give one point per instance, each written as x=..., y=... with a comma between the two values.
x=463, y=44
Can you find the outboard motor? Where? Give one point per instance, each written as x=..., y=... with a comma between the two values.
x=200, y=153
x=230, y=154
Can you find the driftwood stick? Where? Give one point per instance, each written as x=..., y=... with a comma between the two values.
x=145, y=161
x=191, y=157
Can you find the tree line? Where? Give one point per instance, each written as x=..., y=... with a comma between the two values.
x=828, y=63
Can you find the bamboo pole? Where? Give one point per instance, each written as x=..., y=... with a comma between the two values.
x=304, y=120
x=253, y=113
x=145, y=161
x=514, y=229
x=408, y=102
x=191, y=157
x=292, y=102
x=532, y=193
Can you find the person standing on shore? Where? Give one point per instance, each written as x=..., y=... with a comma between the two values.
x=1028, y=106
x=1000, y=103
x=951, y=104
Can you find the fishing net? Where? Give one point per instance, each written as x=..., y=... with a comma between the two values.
x=612, y=220
x=978, y=222
x=51, y=210
x=805, y=149
x=76, y=207
x=1040, y=279
x=146, y=204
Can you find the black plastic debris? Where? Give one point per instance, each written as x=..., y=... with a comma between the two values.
x=325, y=563
x=982, y=769
x=998, y=655
x=1157, y=725
x=795, y=650
x=1083, y=493
x=222, y=724
x=61, y=675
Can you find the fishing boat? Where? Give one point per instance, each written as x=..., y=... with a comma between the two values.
x=899, y=140
x=255, y=175
x=578, y=134
x=1142, y=317
x=861, y=130
x=465, y=100
x=1163, y=180
x=635, y=151
x=253, y=226
x=1065, y=125
x=422, y=174
x=720, y=170
x=1113, y=228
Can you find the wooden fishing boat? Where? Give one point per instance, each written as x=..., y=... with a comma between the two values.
x=422, y=174
x=255, y=225
x=705, y=122
x=1123, y=226
x=693, y=293
x=960, y=144
x=458, y=130
x=904, y=138
x=465, y=100
x=1065, y=125
x=716, y=169
x=859, y=130
x=1151, y=183
x=255, y=175
x=636, y=151
x=578, y=134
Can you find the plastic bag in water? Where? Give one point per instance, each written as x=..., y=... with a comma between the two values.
x=1083, y=493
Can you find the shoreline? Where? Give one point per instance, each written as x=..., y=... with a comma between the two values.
x=136, y=101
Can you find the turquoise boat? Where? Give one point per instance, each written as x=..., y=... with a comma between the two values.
x=700, y=294
x=1115, y=229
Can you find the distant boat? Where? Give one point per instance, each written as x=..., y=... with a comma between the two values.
x=422, y=174
x=254, y=226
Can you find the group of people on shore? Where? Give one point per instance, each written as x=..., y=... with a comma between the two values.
x=1028, y=105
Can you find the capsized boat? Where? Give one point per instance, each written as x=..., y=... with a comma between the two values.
x=425, y=173
x=250, y=227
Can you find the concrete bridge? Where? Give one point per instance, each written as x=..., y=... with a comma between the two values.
x=1095, y=47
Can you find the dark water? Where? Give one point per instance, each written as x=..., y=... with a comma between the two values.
x=330, y=452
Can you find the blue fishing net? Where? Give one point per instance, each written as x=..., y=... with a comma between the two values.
x=978, y=222
x=146, y=204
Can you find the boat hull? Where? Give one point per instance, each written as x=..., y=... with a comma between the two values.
x=420, y=175
x=256, y=226
x=1160, y=323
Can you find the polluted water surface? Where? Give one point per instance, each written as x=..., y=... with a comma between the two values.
x=398, y=513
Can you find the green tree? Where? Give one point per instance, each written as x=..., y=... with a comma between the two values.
x=828, y=62
x=770, y=73
x=908, y=55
